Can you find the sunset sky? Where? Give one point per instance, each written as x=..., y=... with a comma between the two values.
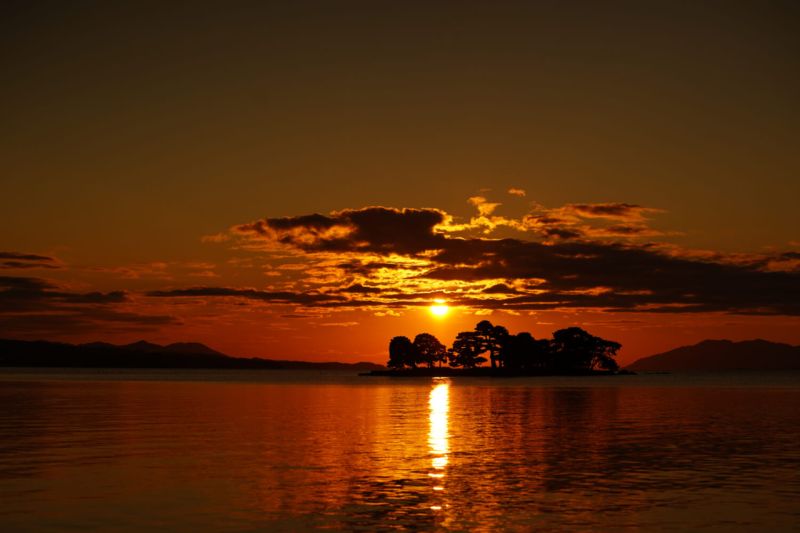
x=303, y=180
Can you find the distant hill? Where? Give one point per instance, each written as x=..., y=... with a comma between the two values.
x=715, y=355
x=144, y=354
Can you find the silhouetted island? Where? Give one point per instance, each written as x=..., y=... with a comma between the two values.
x=15, y=353
x=723, y=355
x=571, y=351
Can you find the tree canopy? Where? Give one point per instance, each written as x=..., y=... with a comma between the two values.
x=466, y=350
x=569, y=350
x=429, y=350
x=401, y=353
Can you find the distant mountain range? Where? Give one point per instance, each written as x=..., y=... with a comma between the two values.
x=716, y=355
x=706, y=356
x=144, y=354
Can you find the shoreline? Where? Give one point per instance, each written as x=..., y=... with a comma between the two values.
x=487, y=372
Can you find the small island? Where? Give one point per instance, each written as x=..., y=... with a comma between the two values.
x=570, y=352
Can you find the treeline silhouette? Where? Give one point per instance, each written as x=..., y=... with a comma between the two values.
x=571, y=349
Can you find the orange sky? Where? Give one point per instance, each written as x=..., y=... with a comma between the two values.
x=630, y=169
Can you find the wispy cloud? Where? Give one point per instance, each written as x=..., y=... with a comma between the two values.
x=31, y=305
x=278, y=297
x=17, y=260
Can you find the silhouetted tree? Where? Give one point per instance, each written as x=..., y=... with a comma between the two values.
x=574, y=348
x=571, y=349
x=483, y=331
x=401, y=353
x=492, y=340
x=467, y=350
x=539, y=357
x=429, y=350
x=450, y=356
x=522, y=351
x=499, y=340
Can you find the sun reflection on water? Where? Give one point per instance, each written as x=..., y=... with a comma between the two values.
x=439, y=404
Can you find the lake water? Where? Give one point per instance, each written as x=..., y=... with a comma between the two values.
x=243, y=451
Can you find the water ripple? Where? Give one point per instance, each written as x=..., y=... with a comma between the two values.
x=386, y=455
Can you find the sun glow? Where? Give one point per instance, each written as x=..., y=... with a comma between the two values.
x=439, y=308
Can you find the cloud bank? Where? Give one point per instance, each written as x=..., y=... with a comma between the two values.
x=32, y=305
x=599, y=256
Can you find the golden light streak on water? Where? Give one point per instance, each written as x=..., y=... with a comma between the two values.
x=439, y=404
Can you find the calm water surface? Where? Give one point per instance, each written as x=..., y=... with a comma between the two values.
x=231, y=451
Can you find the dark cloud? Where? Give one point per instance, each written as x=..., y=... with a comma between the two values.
x=94, y=297
x=561, y=233
x=36, y=306
x=426, y=296
x=357, y=288
x=78, y=322
x=370, y=229
x=16, y=260
x=575, y=264
x=18, y=293
x=313, y=222
x=621, y=229
x=278, y=297
x=24, y=257
x=614, y=211
x=400, y=231
x=14, y=283
x=592, y=222
x=631, y=276
x=552, y=226
x=368, y=268
x=500, y=288
x=305, y=299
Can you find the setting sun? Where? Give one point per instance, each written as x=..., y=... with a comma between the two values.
x=439, y=308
